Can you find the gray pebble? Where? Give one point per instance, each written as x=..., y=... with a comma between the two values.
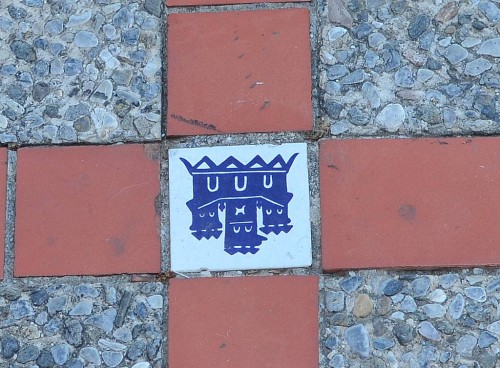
x=476, y=293
x=53, y=327
x=404, y=77
x=123, y=18
x=91, y=355
x=456, y=307
x=335, y=301
x=84, y=308
x=28, y=354
x=376, y=39
x=73, y=67
x=351, y=283
x=54, y=26
x=85, y=39
x=10, y=346
x=337, y=71
x=404, y=333
x=420, y=286
x=23, y=50
x=382, y=343
x=86, y=290
x=153, y=7
x=408, y=305
x=465, y=345
x=60, y=353
x=123, y=334
x=136, y=350
x=76, y=111
x=20, y=309
x=455, y=54
x=339, y=127
x=490, y=47
x=17, y=12
x=449, y=117
x=112, y=358
x=418, y=25
x=490, y=10
x=357, y=76
x=77, y=20
x=40, y=91
x=477, y=67
x=434, y=310
x=104, y=321
x=358, y=340
x=427, y=330
x=486, y=339
x=337, y=361
x=73, y=332
x=45, y=359
x=390, y=118
x=76, y=363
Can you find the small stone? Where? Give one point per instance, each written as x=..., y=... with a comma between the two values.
x=486, y=339
x=493, y=286
x=351, y=283
x=86, y=290
x=490, y=10
x=363, y=306
x=103, y=92
x=28, y=354
x=404, y=78
x=84, y=308
x=104, y=122
x=408, y=305
x=363, y=30
x=448, y=280
x=123, y=308
x=142, y=365
x=77, y=20
x=73, y=67
x=337, y=71
x=358, y=340
x=494, y=328
x=21, y=309
x=17, y=12
x=456, y=53
x=153, y=7
x=418, y=25
x=10, y=346
x=476, y=293
x=123, y=334
x=40, y=91
x=456, y=307
x=444, y=326
x=333, y=109
x=337, y=361
x=469, y=42
x=76, y=111
x=111, y=345
x=60, y=353
x=357, y=117
x=465, y=345
x=76, y=363
x=404, y=333
x=56, y=67
x=85, y=39
x=335, y=33
x=477, y=67
x=383, y=343
x=376, y=39
x=104, y=321
x=45, y=359
x=136, y=350
x=54, y=26
x=371, y=94
x=23, y=50
x=53, y=327
x=122, y=77
x=434, y=310
x=485, y=360
x=335, y=301
x=112, y=358
x=152, y=67
x=131, y=36
x=73, y=332
x=390, y=119
x=447, y=12
x=331, y=342
x=490, y=47
x=123, y=18
x=357, y=76
x=155, y=301
x=433, y=64
x=437, y=296
x=421, y=286
x=91, y=355
x=339, y=14
x=427, y=330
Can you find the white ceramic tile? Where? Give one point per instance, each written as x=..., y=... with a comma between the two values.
x=228, y=207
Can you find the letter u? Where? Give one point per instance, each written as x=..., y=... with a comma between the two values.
x=237, y=184
x=209, y=187
x=269, y=184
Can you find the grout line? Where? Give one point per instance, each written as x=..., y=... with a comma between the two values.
x=10, y=215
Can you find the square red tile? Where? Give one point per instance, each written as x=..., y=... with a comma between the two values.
x=222, y=2
x=244, y=322
x=239, y=71
x=88, y=210
x=410, y=202
x=3, y=195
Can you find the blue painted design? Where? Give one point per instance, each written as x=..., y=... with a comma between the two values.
x=240, y=192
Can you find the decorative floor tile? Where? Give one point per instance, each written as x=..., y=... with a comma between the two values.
x=239, y=71
x=244, y=322
x=410, y=202
x=87, y=210
x=239, y=207
x=3, y=193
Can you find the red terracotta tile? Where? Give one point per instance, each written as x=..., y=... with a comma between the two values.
x=3, y=194
x=223, y=2
x=410, y=202
x=87, y=210
x=239, y=71
x=244, y=322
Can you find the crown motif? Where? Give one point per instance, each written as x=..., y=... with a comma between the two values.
x=231, y=164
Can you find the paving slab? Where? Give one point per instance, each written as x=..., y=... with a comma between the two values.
x=220, y=2
x=244, y=322
x=3, y=193
x=239, y=207
x=87, y=210
x=409, y=202
x=239, y=71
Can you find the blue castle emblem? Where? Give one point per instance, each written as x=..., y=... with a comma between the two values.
x=253, y=197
